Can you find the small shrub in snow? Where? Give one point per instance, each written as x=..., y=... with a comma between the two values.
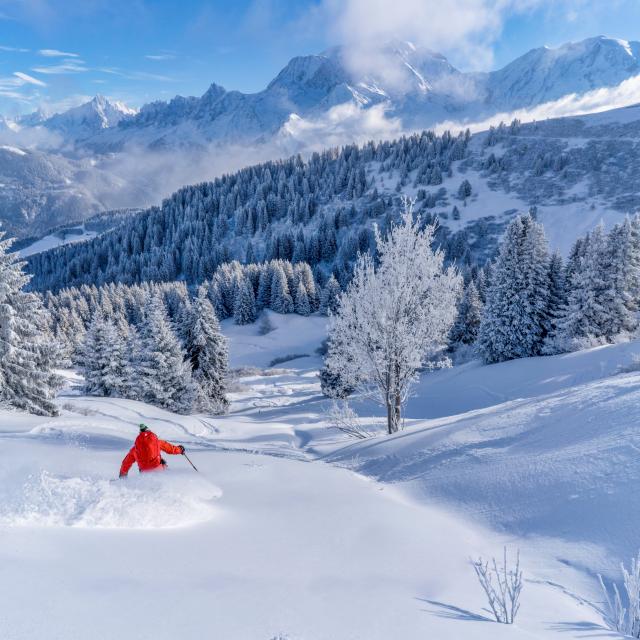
x=502, y=585
x=343, y=417
x=247, y=372
x=265, y=326
x=83, y=411
x=287, y=358
x=618, y=617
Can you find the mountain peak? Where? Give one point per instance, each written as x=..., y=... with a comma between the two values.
x=89, y=118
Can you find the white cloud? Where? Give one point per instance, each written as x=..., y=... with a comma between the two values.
x=134, y=75
x=160, y=56
x=623, y=95
x=463, y=29
x=15, y=49
x=29, y=79
x=70, y=65
x=55, y=53
x=342, y=124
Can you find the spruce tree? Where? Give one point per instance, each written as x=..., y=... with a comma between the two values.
x=624, y=273
x=207, y=354
x=514, y=319
x=590, y=292
x=28, y=353
x=164, y=376
x=329, y=299
x=244, y=309
x=105, y=359
x=467, y=324
x=556, y=303
x=302, y=305
x=281, y=301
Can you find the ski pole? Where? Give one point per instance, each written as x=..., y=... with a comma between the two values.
x=189, y=461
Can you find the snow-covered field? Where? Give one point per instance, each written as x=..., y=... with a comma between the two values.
x=291, y=530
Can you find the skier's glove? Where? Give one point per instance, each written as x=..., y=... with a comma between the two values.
x=181, y=449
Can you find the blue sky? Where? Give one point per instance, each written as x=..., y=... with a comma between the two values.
x=56, y=53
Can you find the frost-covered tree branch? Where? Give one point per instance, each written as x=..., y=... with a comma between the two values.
x=393, y=315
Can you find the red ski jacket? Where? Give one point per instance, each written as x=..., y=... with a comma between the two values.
x=146, y=452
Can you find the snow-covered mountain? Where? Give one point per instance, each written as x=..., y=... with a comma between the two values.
x=545, y=74
x=418, y=86
x=88, y=119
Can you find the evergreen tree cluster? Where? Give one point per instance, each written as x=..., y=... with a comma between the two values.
x=236, y=291
x=177, y=366
x=157, y=343
x=536, y=305
x=318, y=212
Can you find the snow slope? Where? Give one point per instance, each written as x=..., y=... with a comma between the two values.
x=53, y=240
x=271, y=541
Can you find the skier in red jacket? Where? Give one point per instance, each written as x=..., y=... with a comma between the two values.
x=146, y=452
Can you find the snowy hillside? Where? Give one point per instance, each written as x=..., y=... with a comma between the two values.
x=572, y=172
x=117, y=157
x=40, y=190
x=276, y=537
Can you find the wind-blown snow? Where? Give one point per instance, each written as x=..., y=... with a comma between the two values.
x=146, y=502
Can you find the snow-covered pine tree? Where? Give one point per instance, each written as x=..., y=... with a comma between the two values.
x=393, y=315
x=556, y=303
x=164, y=376
x=281, y=301
x=208, y=355
x=105, y=359
x=464, y=190
x=244, y=309
x=302, y=305
x=133, y=388
x=585, y=321
x=465, y=328
x=263, y=298
x=514, y=319
x=330, y=296
x=624, y=277
x=28, y=353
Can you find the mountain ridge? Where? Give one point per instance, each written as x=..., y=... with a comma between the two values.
x=414, y=84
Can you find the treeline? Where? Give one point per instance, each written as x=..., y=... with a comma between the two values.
x=160, y=343
x=528, y=302
x=317, y=212
x=236, y=291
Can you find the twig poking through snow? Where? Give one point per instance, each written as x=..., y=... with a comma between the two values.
x=616, y=616
x=503, y=596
